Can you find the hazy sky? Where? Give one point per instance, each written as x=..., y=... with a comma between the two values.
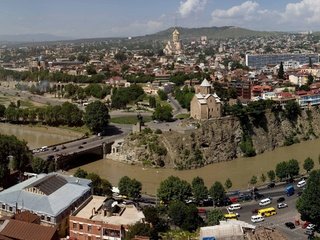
x=112, y=18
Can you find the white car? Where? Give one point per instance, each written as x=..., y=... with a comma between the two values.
x=282, y=205
x=301, y=183
x=257, y=218
x=311, y=226
x=265, y=201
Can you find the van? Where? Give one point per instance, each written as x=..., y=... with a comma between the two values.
x=301, y=183
x=235, y=206
x=257, y=218
x=265, y=201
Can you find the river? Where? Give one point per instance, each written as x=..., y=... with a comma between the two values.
x=238, y=170
x=37, y=136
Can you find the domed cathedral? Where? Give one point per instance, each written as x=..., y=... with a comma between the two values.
x=205, y=104
x=174, y=47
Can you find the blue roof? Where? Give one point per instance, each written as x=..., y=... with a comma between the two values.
x=52, y=204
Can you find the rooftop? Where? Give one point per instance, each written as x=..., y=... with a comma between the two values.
x=57, y=198
x=127, y=215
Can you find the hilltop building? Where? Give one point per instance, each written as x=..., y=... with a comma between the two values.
x=174, y=47
x=204, y=104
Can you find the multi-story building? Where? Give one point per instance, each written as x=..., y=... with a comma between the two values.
x=51, y=196
x=100, y=218
x=261, y=60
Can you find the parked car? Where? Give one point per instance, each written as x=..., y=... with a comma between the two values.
x=280, y=199
x=311, y=226
x=290, y=225
x=258, y=196
x=302, y=183
x=80, y=147
x=309, y=232
x=282, y=205
x=63, y=147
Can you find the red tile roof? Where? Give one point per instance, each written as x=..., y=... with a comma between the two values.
x=19, y=230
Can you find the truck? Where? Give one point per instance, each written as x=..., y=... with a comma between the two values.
x=289, y=190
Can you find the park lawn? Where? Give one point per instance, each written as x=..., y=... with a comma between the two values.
x=129, y=119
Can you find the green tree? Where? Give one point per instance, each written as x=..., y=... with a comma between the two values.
x=162, y=95
x=71, y=115
x=228, y=184
x=39, y=165
x=152, y=102
x=173, y=188
x=162, y=113
x=293, y=168
x=253, y=180
x=138, y=229
x=281, y=71
x=183, y=216
x=17, y=151
x=96, y=182
x=199, y=190
x=96, y=116
x=106, y=188
x=308, y=164
x=271, y=175
x=282, y=170
x=217, y=193
x=130, y=187
x=292, y=110
x=308, y=203
x=123, y=185
x=2, y=110
x=80, y=173
x=214, y=217
x=263, y=178
x=151, y=215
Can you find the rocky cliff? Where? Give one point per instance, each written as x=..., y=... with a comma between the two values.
x=221, y=139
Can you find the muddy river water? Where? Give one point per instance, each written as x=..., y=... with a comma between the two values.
x=239, y=170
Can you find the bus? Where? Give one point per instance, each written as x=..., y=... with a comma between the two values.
x=231, y=216
x=267, y=212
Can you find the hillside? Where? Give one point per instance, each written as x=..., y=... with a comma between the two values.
x=218, y=140
x=210, y=32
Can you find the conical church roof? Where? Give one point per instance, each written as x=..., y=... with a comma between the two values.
x=205, y=83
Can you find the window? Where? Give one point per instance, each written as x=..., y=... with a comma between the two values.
x=10, y=209
x=3, y=206
x=80, y=227
x=89, y=228
x=48, y=219
x=74, y=225
x=42, y=217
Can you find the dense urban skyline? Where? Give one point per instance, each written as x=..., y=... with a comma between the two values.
x=121, y=18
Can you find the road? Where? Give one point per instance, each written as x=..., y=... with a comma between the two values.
x=284, y=215
x=177, y=109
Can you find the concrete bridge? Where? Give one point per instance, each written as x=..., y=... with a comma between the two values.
x=71, y=154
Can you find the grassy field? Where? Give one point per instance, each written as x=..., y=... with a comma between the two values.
x=129, y=119
x=183, y=116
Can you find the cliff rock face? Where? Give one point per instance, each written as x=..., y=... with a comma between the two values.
x=220, y=139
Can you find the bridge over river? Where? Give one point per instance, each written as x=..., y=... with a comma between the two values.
x=67, y=154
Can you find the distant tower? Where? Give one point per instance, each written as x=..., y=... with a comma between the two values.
x=176, y=36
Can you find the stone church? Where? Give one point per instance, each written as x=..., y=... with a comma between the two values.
x=204, y=104
x=174, y=47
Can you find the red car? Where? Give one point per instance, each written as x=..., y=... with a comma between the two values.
x=234, y=199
